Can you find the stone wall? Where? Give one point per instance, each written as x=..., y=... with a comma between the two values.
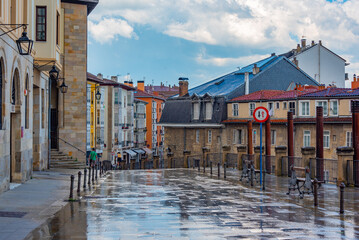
x=75, y=73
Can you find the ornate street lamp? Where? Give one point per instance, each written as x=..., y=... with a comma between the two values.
x=54, y=74
x=63, y=87
x=23, y=40
x=98, y=95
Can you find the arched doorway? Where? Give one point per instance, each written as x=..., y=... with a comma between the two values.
x=15, y=129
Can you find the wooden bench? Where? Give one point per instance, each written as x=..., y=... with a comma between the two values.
x=303, y=185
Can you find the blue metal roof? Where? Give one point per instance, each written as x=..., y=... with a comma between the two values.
x=224, y=85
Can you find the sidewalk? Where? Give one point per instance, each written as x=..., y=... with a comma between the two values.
x=29, y=205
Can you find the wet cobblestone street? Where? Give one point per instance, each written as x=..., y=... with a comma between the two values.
x=185, y=204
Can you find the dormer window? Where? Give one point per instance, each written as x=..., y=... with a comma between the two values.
x=195, y=107
x=209, y=110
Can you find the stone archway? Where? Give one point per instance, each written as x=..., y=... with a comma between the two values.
x=15, y=130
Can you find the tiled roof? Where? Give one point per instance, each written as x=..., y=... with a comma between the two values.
x=259, y=95
x=139, y=93
x=332, y=93
x=161, y=89
x=107, y=82
x=292, y=94
x=296, y=120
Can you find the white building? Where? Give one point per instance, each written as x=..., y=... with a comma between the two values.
x=320, y=63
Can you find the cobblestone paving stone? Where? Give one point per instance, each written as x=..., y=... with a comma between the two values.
x=185, y=204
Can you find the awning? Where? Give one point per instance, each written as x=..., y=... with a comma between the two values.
x=132, y=153
x=148, y=151
x=140, y=151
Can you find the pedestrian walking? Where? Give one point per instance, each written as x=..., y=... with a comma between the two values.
x=92, y=157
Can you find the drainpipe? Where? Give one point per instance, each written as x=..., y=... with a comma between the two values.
x=355, y=124
x=290, y=134
x=319, y=141
x=250, y=139
x=268, y=146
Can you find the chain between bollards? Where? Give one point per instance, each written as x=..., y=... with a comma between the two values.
x=342, y=186
x=210, y=164
x=72, y=187
x=315, y=192
x=219, y=169
x=79, y=182
x=225, y=170
x=85, y=173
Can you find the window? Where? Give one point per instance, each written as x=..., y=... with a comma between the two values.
x=1, y=94
x=304, y=109
x=195, y=111
x=349, y=139
x=197, y=136
x=41, y=23
x=277, y=105
x=306, y=139
x=209, y=110
x=57, y=28
x=42, y=108
x=252, y=106
x=273, y=136
x=235, y=109
x=323, y=104
x=209, y=136
x=27, y=102
x=334, y=107
x=292, y=107
x=237, y=136
x=270, y=106
x=326, y=139
x=254, y=137
x=284, y=105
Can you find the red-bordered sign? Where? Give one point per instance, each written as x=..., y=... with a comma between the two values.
x=260, y=114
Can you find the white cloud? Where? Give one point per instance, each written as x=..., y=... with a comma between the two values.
x=108, y=28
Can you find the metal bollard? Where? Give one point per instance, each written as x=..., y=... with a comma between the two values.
x=264, y=180
x=210, y=164
x=252, y=170
x=342, y=186
x=89, y=181
x=100, y=169
x=315, y=192
x=79, y=182
x=225, y=170
x=93, y=174
x=85, y=173
x=96, y=170
x=199, y=166
x=174, y=163
x=219, y=169
x=72, y=187
x=204, y=167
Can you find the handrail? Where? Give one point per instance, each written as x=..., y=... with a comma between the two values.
x=78, y=149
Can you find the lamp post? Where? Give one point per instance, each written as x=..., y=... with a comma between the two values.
x=63, y=87
x=23, y=40
x=53, y=76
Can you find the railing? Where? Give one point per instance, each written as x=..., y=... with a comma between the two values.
x=71, y=145
x=295, y=161
x=330, y=169
x=231, y=160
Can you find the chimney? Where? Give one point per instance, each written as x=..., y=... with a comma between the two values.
x=114, y=78
x=355, y=83
x=141, y=85
x=130, y=83
x=255, y=69
x=126, y=83
x=313, y=42
x=298, y=48
x=295, y=61
x=304, y=42
x=246, y=80
x=183, y=86
x=100, y=76
x=320, y=42
x=272, y=55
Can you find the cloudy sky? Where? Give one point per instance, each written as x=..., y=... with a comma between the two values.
x=161, y=40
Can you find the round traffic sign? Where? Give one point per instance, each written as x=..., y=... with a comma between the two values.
x=261, y=114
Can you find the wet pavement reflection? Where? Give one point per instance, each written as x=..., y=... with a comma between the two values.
x=184, y=204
